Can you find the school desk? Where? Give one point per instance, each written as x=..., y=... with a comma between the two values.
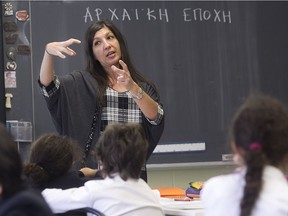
x=182, y=208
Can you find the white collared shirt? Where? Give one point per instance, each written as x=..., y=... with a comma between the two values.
x=221, y=195
x=111, y=196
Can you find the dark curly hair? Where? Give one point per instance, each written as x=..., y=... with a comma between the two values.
x=51, y=156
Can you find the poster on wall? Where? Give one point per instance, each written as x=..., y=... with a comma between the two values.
x=10, y=79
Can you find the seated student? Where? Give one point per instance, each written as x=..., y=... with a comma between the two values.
x=259, y=138
x=50, y=163
x=122, y=150
x=16, y=198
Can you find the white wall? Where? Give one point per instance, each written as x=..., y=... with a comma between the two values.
x=179, y=175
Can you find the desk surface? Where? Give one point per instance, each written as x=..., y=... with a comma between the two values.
x=182, y=208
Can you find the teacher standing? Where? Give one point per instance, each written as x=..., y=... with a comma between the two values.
x=83, y=103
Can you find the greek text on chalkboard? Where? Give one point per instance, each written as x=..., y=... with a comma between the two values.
x=161, y=14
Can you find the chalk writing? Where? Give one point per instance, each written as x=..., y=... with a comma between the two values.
x=199, y=14
x=125, y=15
x=160, y=14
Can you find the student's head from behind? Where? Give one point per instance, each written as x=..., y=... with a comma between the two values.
x=51, y=156
x=261, y=126
x=122, y=149
x=260, y=135
x=10, y=165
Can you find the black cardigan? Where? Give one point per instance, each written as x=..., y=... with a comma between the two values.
x=73, y=106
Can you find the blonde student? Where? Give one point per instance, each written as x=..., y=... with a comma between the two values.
x=259, y=139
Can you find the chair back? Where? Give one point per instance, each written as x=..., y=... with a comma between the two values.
x=83, y=210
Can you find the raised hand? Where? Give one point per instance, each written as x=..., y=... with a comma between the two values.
x=62, y=48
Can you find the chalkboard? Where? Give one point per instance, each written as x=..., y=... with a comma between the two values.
x=204, y=57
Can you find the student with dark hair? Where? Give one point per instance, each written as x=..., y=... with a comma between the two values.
x=110, y=90
x=259, y=138
x=50, y=163
x=16, y=198
x=122, y=150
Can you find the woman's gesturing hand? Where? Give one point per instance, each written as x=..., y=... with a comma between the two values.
x=62, y=48
x=123, y=75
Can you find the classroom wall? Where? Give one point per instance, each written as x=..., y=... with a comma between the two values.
x=2, y=88
x=182, y=174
